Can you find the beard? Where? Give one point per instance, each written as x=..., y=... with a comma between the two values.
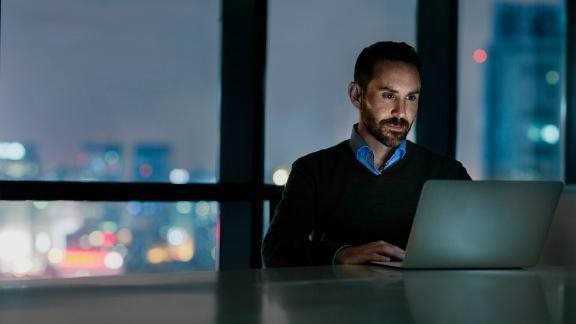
x=379, y=130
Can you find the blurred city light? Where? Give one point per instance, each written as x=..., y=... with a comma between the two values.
x=111, y=157
x=179, y=176
x=480, y=56
x=134, y=207
x=124, y=236
x=550, y=134
x=96, y=238
x=157, y=255
x=109, y=239
x=113, y=260
x=552, y=77
x=80, y=259
x=12, y=151
x=280, y=177
x=21, y=267
x=16, y=170
x=184, y=207
x=43, y=243
x=88, y=241
x=202, y=209
x=145, y=170
x=55, y=256
x=109, y=226
x=185, y=252
x=534, y=133
x=176, y=236
x=15, y=244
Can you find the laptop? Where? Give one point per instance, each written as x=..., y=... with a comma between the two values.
x=480, y=224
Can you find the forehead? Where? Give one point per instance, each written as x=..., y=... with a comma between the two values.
x=394, y=73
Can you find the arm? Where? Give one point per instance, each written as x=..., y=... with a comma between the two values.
x=287, y=242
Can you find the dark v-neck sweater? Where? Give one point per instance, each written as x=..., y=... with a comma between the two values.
x=332, y=200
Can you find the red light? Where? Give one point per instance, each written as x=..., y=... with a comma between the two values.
x=109, y=239
x=145, y=170
x=480, y=56
x=82, y=159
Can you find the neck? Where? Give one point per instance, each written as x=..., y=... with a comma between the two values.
x=381, y=152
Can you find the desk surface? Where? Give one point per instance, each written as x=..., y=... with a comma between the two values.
x=353, y=294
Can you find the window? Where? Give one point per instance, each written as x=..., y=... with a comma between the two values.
x=312, y=48
x=67, y=239
x=115, y=91
x=98, y=90
x=511, y=78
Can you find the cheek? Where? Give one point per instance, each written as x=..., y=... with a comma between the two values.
x=412, y=112
x=380, y=106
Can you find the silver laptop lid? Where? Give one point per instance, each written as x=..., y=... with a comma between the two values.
x=481, y=224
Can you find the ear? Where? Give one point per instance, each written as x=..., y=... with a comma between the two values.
x=355, y=94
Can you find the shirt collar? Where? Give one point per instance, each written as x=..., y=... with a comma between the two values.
x=358, y=145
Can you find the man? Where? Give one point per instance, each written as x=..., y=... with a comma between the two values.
x=354, y=203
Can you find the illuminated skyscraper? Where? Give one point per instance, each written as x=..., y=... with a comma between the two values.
x=524, y=77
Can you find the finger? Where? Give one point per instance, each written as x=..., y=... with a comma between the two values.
x=392, y=251
x=384, y=244
x=375, y=257
x=380, y=243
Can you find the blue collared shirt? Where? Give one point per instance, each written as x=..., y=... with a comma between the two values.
x=365, y=155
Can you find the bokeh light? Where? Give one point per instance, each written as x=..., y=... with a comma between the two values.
x=480, y=56
x=43, y=243
x=280, y=177
x=550, y=134
x=202, y=209
x=176, y=236
x=179, y=176
x=113, y=260
x=157, y=255
x=552, y=77
x=184, y=207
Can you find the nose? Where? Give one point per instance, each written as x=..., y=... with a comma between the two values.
x=399, y=110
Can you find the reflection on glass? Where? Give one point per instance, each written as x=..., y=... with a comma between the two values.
x=511, y=77
x=96, y=90
x=68, y=239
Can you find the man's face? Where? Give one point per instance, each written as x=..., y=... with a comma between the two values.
x=389, y=104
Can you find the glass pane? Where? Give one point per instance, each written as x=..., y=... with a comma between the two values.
x=511, y=82
x=109, y=90
x=69, y=239
x=312, y=48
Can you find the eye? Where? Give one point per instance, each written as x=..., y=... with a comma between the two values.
x=412, y=97
x=388, y=95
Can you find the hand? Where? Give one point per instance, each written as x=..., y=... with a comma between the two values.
x=378, y=251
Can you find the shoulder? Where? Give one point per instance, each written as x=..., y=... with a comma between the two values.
x=326, y=155
x=425, y=153
x=441, y=166
x=325, y=161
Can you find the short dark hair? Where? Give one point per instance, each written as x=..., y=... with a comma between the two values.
x=382, y=51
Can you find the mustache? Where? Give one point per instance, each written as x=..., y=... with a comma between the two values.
x=395, y=121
